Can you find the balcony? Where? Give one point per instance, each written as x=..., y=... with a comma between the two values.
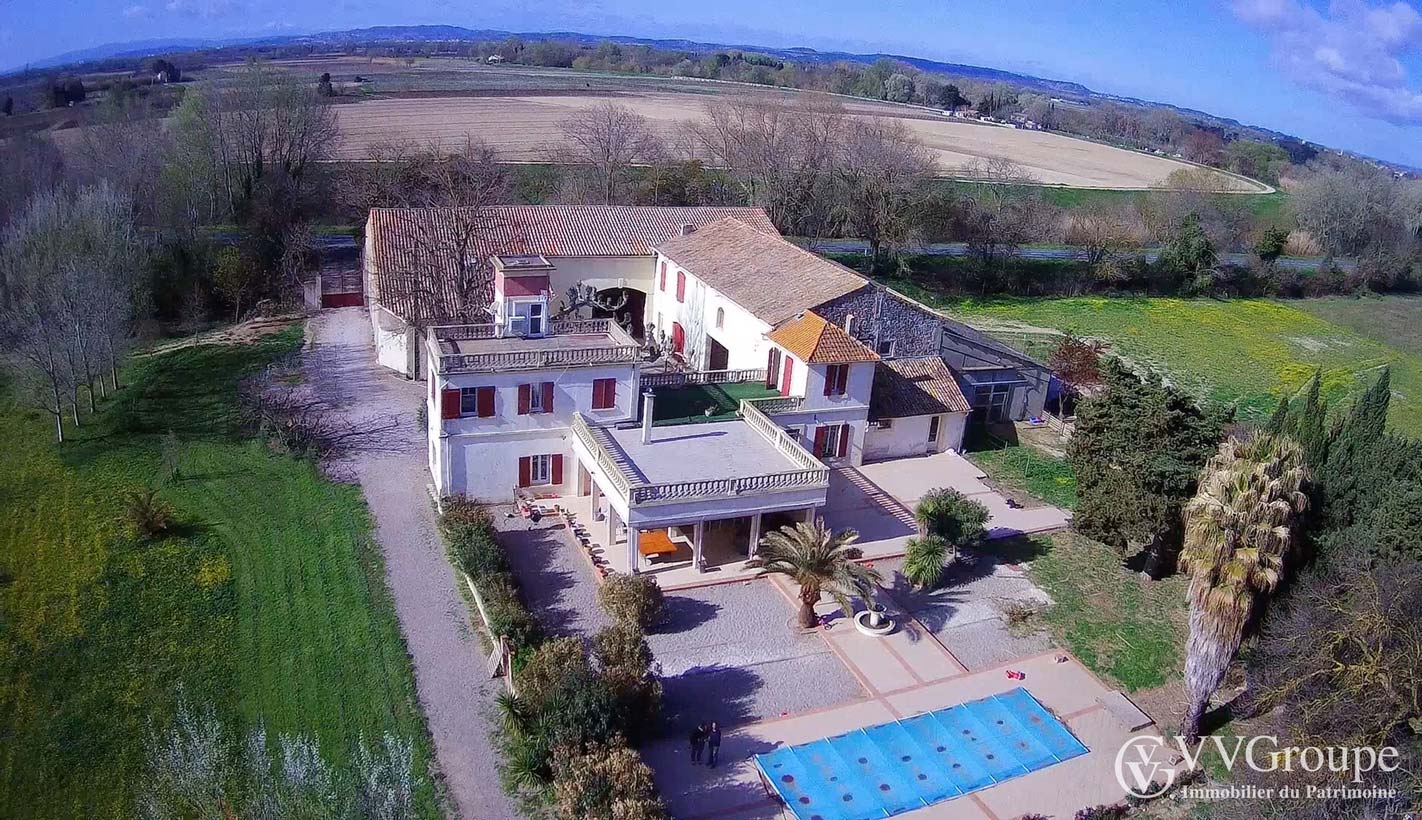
x=745, y=457
x=486, y=348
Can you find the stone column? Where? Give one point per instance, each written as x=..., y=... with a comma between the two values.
x=754, y=536
x=633, y=558
x=698, y=533
x=810, y=514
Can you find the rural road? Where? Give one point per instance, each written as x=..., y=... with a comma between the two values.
x=453, y=688
x=1071, y=254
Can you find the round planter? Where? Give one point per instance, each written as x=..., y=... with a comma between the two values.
x=861, y=623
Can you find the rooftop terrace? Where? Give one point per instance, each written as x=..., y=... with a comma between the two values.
x=745, y=455
x=576, y=343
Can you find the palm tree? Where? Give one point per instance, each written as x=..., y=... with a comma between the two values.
x=819, y=561
x=1239, y=530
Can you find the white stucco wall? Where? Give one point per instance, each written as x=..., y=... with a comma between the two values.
x=856, y=390
x=392, y=341
x=479, y=456
x=908, y=437
x=741, y=333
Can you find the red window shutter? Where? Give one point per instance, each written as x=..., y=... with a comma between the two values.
x=604, y=394
x=785, y=379
x=678, y=338
x=523, y=399
x=843, y=379
x=548, y=397
x=680, y=286
x=525, y=471
x=772, y=368
x=449, y=404
x=485, y=402
x=831, y=373
x=664, y=278
x=557, y=468
x=821, y=434
x=843, y=441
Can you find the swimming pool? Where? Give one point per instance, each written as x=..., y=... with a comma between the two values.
x=928, y=758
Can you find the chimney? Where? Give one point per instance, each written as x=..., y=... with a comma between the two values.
x=647, y=397
x=849, y=323
x=687, y=229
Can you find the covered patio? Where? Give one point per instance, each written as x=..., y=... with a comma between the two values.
x=690, y=503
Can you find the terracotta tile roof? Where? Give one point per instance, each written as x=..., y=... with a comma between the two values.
x=816, y=341
x=915, y=387
x=771, y=278
x=405, y=245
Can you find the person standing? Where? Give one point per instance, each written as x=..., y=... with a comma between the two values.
x=713, y=740
x=698, y=742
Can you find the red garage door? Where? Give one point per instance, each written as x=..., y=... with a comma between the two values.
x=341, y=288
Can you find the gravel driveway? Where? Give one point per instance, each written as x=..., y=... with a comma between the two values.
x=453, y=689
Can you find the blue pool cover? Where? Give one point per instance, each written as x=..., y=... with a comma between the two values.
x=911, y=763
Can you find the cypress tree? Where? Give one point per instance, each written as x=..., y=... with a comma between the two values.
x=1312, y=425
x=1280, y=419
x=1354, y=446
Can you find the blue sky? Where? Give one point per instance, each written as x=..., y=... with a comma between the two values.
x=1346, y=73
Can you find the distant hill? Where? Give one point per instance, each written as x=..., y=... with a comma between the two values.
x=389, y=34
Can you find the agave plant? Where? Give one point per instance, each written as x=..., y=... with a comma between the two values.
x=820, y=561
x=1239, y=531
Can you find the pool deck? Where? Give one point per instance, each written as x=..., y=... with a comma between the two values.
x=905, y=674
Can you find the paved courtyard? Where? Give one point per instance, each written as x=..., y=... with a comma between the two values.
x=965, y=613
x=877, y=500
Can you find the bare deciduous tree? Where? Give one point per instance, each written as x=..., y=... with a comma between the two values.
x=1101, y=230
x=780, y=152
x=1003, y=211
x=437, y=268
x=609, y=140
x=70, y=264
x=882, y=173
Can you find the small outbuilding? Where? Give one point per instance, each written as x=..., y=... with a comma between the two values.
x=917, y=408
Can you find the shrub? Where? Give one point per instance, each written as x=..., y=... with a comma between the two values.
x=148, y=515
x=952, y=516
x=604, y=781
x=1018, y=614
x=472, y=540
x=926, y=558
x=507, y=614
x=635, y=599
x=556, y=667
x=625, y=664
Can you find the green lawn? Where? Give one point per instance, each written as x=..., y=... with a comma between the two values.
x=1272, y=208
x=1244, y=350
x=687, y=405
x=1127, y=630
x=1019, y=467
x=269, y=604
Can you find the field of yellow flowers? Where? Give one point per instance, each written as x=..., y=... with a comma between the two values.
x=1248, y=351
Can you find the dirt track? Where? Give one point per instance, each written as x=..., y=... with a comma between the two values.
x=525, y=127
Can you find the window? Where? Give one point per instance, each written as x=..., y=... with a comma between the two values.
x=535, y=398
x=933, y=430
x=720, y=317
x=535, y=319
x=832, y=440
x=886, y=348
x=681, y=286
x=541, y=469
x=836, y=379
x=663, y=278
x=476, y=401
x=772, y=368
x=795, y=432
x=992, y=402
x=604, y=394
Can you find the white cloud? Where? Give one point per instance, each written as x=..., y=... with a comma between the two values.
x=203, y=8
x=1351, y=50
x=136, y=11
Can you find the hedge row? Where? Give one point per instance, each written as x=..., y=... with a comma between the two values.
x=473, y=546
